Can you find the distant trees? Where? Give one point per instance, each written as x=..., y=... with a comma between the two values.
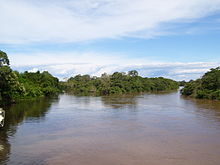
x=208, y=87
x=182, y=83
x=117, y=83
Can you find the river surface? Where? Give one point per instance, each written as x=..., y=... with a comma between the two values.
x=147, y=129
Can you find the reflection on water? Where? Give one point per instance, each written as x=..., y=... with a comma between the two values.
x=206, y=108
x=155, y=129
x=15, y=115
x=120, y=102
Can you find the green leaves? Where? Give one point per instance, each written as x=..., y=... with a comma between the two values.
x=15, y=85
x=208, y=87
x=117, y=83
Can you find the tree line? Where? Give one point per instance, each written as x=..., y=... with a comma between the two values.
x=207, y=87
x=117, y=83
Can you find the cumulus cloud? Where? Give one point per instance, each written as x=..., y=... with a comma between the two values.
x=27, y=21
x=71, y=64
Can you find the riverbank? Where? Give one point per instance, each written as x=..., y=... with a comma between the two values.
x=207, y=87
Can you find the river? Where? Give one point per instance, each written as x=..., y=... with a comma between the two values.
x=146, y=129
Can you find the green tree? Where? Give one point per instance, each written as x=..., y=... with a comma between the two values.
x=208, y=87
x=3, y=59
x=133, y=73
x=15, y=85
x=10, y=87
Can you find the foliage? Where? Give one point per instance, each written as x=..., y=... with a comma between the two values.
x=117, y=83
x=3, y=59
x=15, y=85
x=39, y=84
x=208, y=87
x=9, y=84
x=182, y=83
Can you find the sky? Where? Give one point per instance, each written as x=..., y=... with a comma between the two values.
x=177, y=39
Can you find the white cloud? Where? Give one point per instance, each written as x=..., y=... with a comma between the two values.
x=69, y=64
x=30, y=59
x=190, y=71
x=26, y=21
x=33, y=70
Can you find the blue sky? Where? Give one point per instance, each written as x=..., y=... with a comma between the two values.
x=174, y=39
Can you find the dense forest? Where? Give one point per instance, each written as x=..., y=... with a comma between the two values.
x=207, y=87
x=117, y=83
x=15, y=85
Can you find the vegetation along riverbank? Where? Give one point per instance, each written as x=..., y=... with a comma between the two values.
x=207, y=87
x=15, y=86
x=118, y=83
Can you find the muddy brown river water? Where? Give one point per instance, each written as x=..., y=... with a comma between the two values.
x=147, y=129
